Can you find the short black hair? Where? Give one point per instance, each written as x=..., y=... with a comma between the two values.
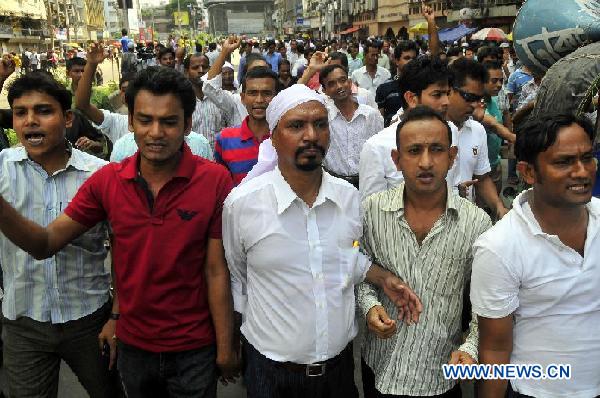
x=75, y=61
x=420, y=73
x=404, y=46
x=284, y=61
x=124, y=32
x=307, y=51
x=250, y=58
x=453, y=52
x=537, y=134
x=418, y=113
x=327, y=70
x=464, y=68
x=492, y=65
x=41, y=82
x=341, y=56
x=487, y=51
x=212, y=46
x=188, y=59
x=160, y=81
x=127, y=77
x=371, y=44
x=164, y=51
x=260, y=73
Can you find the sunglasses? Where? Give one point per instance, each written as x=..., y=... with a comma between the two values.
x=469, y=97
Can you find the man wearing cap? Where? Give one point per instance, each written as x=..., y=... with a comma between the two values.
x=290, y=238
x=228, y=82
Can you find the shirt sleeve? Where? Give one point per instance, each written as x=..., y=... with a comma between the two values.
x=87, y=206
x=219, y=151
x=511, y=85
x=471, y=344
x=235, y=255
x=371, y=173
x=494, y=284
x=225, y=186
x=366, y=294
x=224, y=100
x=482, y=165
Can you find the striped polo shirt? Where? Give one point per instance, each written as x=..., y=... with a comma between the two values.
x=237, y=149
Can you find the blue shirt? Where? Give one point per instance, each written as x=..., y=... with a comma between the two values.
x=273, y=60
x=124, y=42
x=126, y=146
x=515, y=84
x=71, y=284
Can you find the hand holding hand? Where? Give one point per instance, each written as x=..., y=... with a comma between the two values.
x=406, y=300
x=380, y=323
x=463, y=187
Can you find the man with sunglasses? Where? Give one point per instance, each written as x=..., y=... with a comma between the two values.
x=466, y=100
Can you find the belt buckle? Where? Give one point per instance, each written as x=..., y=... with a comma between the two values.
x=310, y=368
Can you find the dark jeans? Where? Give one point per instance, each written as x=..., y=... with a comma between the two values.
x=33, y=351
x=267, y=379
x=169, y=374
x=368, y=378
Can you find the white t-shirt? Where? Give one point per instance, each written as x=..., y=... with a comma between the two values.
x=472, y=153
x=552, y=292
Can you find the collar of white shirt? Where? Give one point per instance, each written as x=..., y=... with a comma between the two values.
x=76, y=160
x=285, y=196
x=531, y=223
x=335, y=112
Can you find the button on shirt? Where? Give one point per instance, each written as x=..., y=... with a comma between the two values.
x=71, y=284
x=551, y=290
x=346, y=138
x=159, y=251
x=363, y=79
x=209, y=119
x=126, y=146
x=410, y=362
x=293, y=268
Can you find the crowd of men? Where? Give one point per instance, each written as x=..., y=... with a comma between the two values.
x=253, y=223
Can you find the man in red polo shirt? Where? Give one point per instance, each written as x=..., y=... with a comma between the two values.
x=164, y=206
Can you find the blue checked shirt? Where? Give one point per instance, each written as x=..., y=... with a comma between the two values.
x=71, y=284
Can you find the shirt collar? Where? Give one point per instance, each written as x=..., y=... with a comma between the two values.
x=185, y=168
x=361, y=110
x=396, y=202
x=76, y=158
x=285, y=196
x=247, y=134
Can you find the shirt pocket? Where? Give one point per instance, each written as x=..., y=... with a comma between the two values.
x=446, y=277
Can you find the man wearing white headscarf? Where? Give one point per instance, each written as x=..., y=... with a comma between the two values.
x=290, y=238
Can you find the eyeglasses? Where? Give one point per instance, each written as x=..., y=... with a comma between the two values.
x=469, y=97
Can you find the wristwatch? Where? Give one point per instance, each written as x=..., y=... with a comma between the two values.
x=114, y=316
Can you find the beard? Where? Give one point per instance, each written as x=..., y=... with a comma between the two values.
x=313, y=163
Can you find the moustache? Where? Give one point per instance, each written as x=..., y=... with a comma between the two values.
x=302, y=149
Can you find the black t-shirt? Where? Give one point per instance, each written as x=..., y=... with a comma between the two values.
x=388, y=97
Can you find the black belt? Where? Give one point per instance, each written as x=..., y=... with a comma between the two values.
x=315, y=369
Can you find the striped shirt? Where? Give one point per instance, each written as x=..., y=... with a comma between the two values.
x=237, y=149
x=71, y=284
x=208, y=119
x=410, y=362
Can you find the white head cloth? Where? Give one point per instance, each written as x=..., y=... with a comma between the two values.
x=290, y=98
x=283, y=102
x=228, y=65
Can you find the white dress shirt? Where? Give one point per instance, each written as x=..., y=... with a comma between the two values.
x=377, y=170
x=231, y=103
x=292, y=57
x=552, y=292
x=300, y=62
x=363, y=79
x=114, y=125
x=293, y=267
x=346, y=138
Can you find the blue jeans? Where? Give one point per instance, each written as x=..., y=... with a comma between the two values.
x=169, y=374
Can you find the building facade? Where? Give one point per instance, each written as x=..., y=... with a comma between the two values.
x=253, y=17
x=23, y=24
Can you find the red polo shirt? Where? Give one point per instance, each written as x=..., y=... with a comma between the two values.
x=159, y=252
